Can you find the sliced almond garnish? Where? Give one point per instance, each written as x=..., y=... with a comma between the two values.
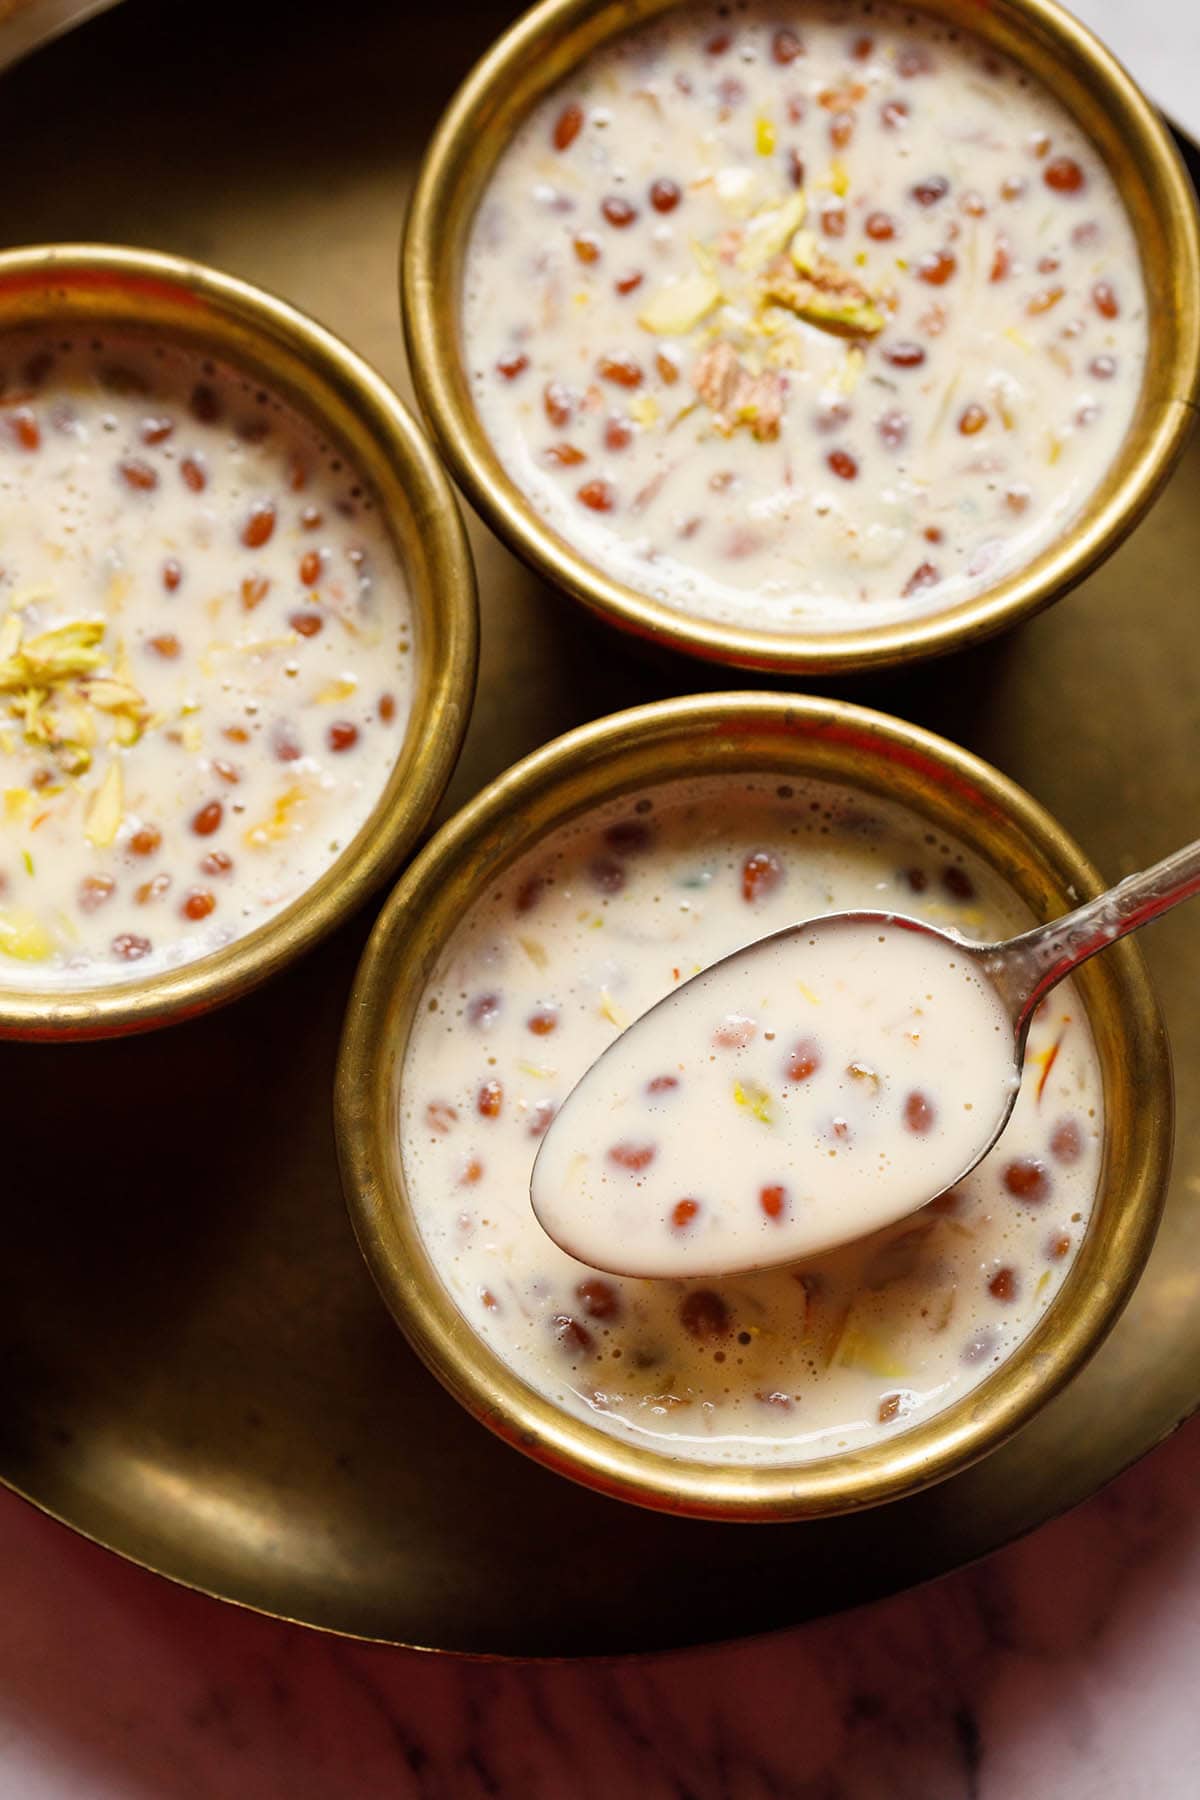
x=281, y=822
x=342, y=688
x=681, y=305
x=112, y=696
x=616, y=1015
x=805, y=252
x=23, y=936
x=769, y=231
x=106, y=808
x=65, y=651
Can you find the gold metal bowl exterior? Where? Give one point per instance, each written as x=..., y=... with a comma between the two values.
x=72, y=285
x=552, y=39
x=738, y=733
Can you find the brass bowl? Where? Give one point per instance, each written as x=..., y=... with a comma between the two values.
x=542, y=48
x=73, y=284
x=739, y=733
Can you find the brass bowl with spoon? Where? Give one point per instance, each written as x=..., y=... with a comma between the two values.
x=948, y=791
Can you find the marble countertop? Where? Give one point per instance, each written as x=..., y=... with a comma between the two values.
x=1061, y=1666
x=1159, y=42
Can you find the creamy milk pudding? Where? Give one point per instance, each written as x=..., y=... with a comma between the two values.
x=826, y=1082
x=805, y=319
x=582, y=936
x=204, y=657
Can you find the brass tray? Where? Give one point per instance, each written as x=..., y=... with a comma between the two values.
x=194, y=1366
x=24, y=24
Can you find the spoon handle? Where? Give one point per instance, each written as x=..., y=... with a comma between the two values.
x=1026, y=968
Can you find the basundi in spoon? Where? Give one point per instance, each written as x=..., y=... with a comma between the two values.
x=822, y=1083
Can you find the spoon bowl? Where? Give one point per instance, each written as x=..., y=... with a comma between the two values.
x=812, y=1088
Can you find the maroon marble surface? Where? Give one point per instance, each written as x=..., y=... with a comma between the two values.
x=1063, y=1666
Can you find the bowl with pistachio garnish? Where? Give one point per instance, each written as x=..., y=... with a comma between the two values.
x=805, y=338
x=234, y=668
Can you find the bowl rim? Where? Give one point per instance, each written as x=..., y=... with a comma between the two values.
x=491, y=831
x=439, y=216
x=114, y=281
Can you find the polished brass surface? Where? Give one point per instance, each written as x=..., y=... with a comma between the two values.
x=195, y=1367
x=541, y=48
x=738, y=734
x=24, y=24
x=66, y=286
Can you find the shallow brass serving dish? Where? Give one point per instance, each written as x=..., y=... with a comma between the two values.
x=738, y=734
x=24, y=24
x=196, y=1368
x=535, y=54
x=72, y=285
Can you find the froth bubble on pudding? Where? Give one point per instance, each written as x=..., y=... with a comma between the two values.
x=583, y=934
x=205, y=650
x=804, y=320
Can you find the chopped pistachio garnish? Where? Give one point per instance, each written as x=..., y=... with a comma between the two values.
x=128, y=730
x=56, y=685
x=753, y=1099
x=73, y=759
